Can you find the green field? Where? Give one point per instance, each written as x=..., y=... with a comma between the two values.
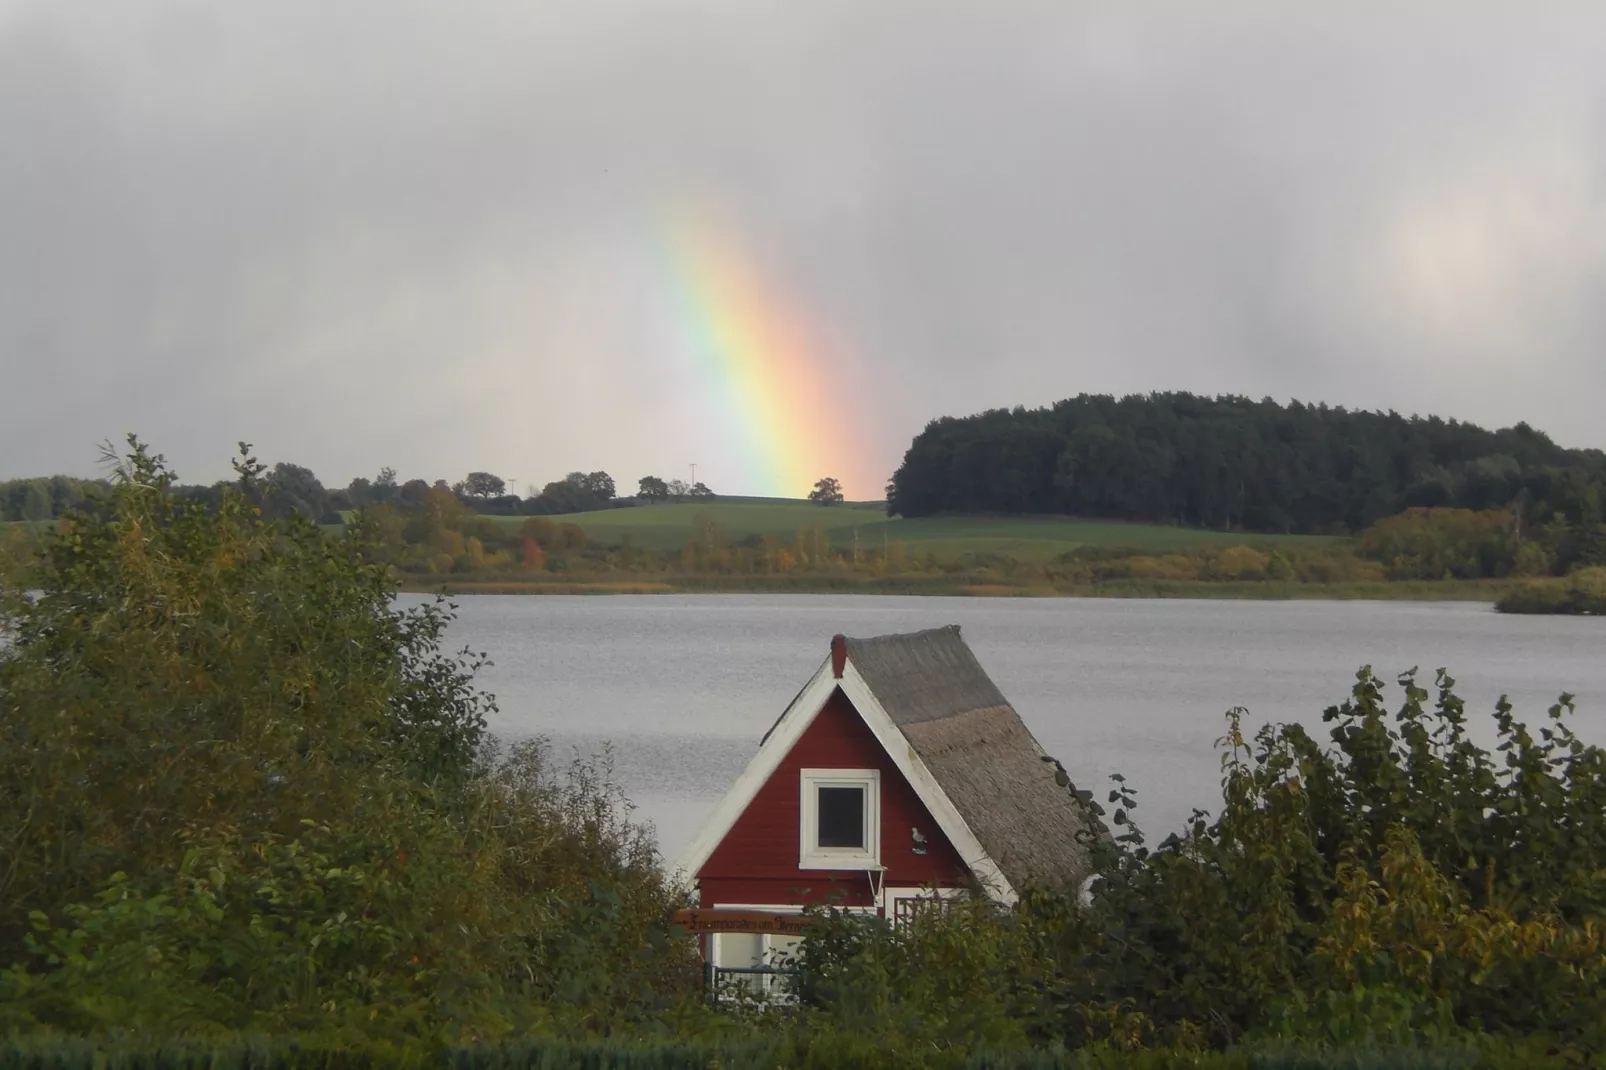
x=1044, y=538
x=1025, y=539
x=666, y=527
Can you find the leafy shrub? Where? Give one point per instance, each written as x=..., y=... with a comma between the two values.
x=1409, y=862
x=242, y=792
x=1431, y=544
x=1583, y=592
x=1403, y=889
x=1241, y=563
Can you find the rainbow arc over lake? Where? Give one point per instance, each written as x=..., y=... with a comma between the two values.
x=780, y=391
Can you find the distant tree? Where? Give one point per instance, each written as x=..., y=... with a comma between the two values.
x=385, y=491
x=292, y=488
x=827, y=491
x=652, y=489
x=65, y=493
x=569, y=495
x=700, y=490
x=601, y=484
x=360, y=492
x=678, y=489
x=414, y=491
x=381, y=532
x=207, y=497
x=36, y=501
x=484, y=485
x=501, y=505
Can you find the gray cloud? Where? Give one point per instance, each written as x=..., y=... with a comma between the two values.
x=434, y=235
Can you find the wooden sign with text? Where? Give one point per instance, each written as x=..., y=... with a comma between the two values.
x=698, y=920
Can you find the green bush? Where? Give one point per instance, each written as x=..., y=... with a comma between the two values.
x=1403, y=888
x=1582, y=593
x=243, y=793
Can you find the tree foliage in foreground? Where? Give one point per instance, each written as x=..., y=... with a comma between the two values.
x=245, y=796
x=1404, y=886
x=242, y=792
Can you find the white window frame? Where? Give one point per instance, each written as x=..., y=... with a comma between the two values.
x=810, y=856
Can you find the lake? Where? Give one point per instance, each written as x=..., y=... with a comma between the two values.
x=683, y=687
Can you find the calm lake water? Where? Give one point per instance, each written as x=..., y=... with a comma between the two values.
x=683, y=687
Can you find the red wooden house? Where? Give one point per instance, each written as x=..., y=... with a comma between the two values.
x=899, y=772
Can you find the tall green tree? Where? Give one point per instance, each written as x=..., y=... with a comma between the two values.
x=484, y=485
x=291, y=488
x=652, y=489
x=601, y=484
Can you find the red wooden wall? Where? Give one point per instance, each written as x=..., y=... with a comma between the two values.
x=757, y=860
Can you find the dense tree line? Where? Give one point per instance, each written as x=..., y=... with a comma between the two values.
x=1230, y=462
x=289, y=489
x=44, y=498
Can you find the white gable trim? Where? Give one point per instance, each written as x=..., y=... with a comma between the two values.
x=776, y=746
x=790, y=728
x=913, y=768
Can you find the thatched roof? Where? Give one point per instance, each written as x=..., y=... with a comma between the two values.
x=980, y=752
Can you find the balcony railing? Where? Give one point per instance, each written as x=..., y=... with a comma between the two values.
x=751, y=984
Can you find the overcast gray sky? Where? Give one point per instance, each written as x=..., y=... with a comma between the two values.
x=432, y=234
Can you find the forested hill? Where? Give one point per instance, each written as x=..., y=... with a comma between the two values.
x=1231, y=462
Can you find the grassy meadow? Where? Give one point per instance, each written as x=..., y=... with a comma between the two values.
x=668, y=526
x=979, y=556
x=1027, y=539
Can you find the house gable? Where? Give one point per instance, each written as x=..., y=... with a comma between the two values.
x=838, y=673
x=757, y=859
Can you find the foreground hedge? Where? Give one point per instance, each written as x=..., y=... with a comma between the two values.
x=824, y=1052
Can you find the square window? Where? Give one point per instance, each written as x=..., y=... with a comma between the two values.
x=841, y=822
x=841, y=819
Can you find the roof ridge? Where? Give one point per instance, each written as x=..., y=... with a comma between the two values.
x=954, y=628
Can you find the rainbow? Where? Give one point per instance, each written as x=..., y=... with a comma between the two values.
x=787, y=404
